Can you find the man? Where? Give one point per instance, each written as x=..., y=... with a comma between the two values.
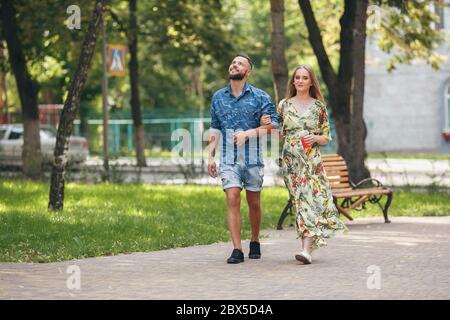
x=236, y=111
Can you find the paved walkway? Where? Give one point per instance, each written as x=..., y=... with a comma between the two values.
x=411, y=256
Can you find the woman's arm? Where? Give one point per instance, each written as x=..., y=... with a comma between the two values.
x=312, y=138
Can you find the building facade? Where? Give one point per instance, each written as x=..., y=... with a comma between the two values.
x=408, y=109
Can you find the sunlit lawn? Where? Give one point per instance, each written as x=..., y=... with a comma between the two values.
x=108, y=219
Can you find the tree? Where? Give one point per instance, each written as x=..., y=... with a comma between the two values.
x=134, y=85
x=192, y=39
x=279, y=65
x=46, y=54
x=406, y=31
x=70, y=108
x=178, y=40
x=131, y=32
x=4, y=109
x=358, y=128
x=346, y=86
x=28, y=91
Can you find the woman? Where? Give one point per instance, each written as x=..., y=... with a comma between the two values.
x=304, y=127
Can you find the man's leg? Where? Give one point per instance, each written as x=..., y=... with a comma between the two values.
x=254, y=206
x=234, y=215
x=253, y=184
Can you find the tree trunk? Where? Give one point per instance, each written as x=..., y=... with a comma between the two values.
x=200, y=92
x=28, y=92
x=201, y=99
x=315, y=39
x=84, y=117
x=139, y=133
x=3, y=88
x=344, y=80
x=346, y=88
x=197, y=92
x=342, y=125
x=70, y=108
x=358, y=170
x=279, y=65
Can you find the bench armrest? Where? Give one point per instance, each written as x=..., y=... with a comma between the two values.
x=374, y=181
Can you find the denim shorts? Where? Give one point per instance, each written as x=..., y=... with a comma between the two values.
x=241, y=176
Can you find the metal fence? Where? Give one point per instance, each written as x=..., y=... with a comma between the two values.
x=158, y=135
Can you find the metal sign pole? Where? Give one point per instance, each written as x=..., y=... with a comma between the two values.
x=105, y=104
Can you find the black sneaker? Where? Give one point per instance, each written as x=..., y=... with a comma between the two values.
x=236, y=257
x=255, y=250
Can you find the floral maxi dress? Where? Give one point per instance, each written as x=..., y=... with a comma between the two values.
x=304, y=175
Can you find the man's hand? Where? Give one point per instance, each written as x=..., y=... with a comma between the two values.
x=239, y=138
x=212, y=169
x=265, y=120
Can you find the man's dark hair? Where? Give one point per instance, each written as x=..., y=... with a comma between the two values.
x=243, y=55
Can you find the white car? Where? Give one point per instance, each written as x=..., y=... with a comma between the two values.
x=11, y=142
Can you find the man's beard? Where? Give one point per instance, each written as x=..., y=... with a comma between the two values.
x=237, y=76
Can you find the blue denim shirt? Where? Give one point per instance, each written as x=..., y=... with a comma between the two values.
x=231, y=114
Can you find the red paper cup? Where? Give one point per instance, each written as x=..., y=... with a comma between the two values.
x=305, y=145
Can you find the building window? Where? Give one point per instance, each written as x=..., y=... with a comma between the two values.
x=439, y=11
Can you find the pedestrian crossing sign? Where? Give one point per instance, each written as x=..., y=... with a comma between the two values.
x=116, y=59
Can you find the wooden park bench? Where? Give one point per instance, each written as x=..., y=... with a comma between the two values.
x=347, y=195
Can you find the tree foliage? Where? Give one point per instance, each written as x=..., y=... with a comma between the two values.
x=407, y=31
x=181, y=37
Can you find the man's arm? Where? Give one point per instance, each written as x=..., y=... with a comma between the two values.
x=267, y=108
x=241, y=137
x=214, y=136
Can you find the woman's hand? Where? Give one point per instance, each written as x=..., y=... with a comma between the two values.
x=312, y=138
x=265, y=120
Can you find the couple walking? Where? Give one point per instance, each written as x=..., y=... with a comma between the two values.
x=240, y=114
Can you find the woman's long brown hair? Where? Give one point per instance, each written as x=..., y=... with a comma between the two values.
x=314, y=90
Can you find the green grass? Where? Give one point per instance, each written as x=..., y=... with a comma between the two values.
x=108, y=219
